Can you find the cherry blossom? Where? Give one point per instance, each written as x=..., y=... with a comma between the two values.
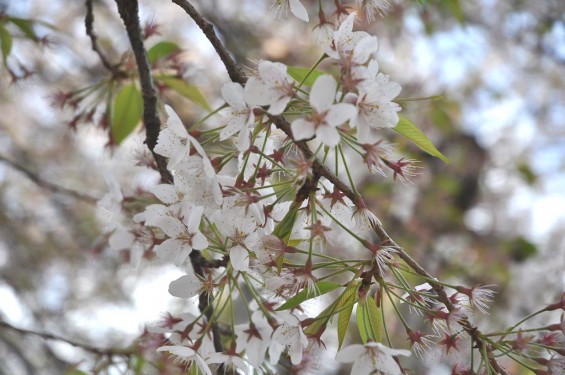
x=187, y=355
x=254, y=338
x=273, y=87
x=184, y=236
x=372, y=357
x=110, y=205
x=325, y=116
x=288, y=335
x=373, y=7
x=375, y=108
x=344, y=39
x=296, y=8
x=174, y=141
x=230, y=361
x=238, y=117
x=186, y=286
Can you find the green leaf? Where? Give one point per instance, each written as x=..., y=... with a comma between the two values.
x=369, y=321
x=456, y=9
x=300, y=74
x=284, y=228
x=26, y=26
x=322, y=287
x=348, y=300
x=190, y=92
x=5, y=43
x=126, y=112
x=410, y=131
x=161, y=50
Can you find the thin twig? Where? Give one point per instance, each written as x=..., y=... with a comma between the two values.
x=48, y=185
x=129, y=10
x=234, y=70
x=89, y=25
x=87, y=347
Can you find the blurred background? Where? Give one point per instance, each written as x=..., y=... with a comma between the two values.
x=495, y=215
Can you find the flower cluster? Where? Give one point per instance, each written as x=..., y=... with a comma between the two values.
x=260, y=225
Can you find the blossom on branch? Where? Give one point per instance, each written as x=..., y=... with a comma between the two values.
x=273, y=87
x=371, y=358
x=239, y=116
x=326, y=116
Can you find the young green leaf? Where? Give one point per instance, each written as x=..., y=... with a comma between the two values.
x=301, y=74
x=369, y=321
x=126, y=112
x=322, y=287
x=190, y=92
x=410, y=131
x=284, y=228
x=5, y=43
x=26, y=27
x=161, y=50
x=346, y=303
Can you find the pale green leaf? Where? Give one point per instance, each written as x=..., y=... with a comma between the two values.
x=375, y=320
x=322, y=287
x=26, y=27
x=361, y=322
x=345, y=307
x=126, y=112
x=410, y=131
x=369, y=321
x=182, y=88
x=301, y=74
x=161, y=50
x=5, y=43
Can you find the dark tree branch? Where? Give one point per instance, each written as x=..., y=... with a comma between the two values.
x=48, y=185
x=129, y=10
x=319, y=170
x=87, y=347
x=205, y=299
x=89, y=25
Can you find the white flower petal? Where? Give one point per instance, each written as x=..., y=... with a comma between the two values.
x=350, y=353
x=168, y=249
x=193, y=222
x=340, y=113
x=199, y=241
x=166, y=193
x=302, y=129
x=298, y=10
x=174, y=123
x=278, y=106
x=243, y=141
x=365, y=49
x=256, y=92
x=363, y=366
x=328, y=135
x=121, y=239
x=233, y=95
x=239, y=258
x=172, y=226
x=186, y=286
x=323, y=93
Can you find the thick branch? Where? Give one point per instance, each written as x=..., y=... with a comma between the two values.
x=129, y=10
x=205, y=299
